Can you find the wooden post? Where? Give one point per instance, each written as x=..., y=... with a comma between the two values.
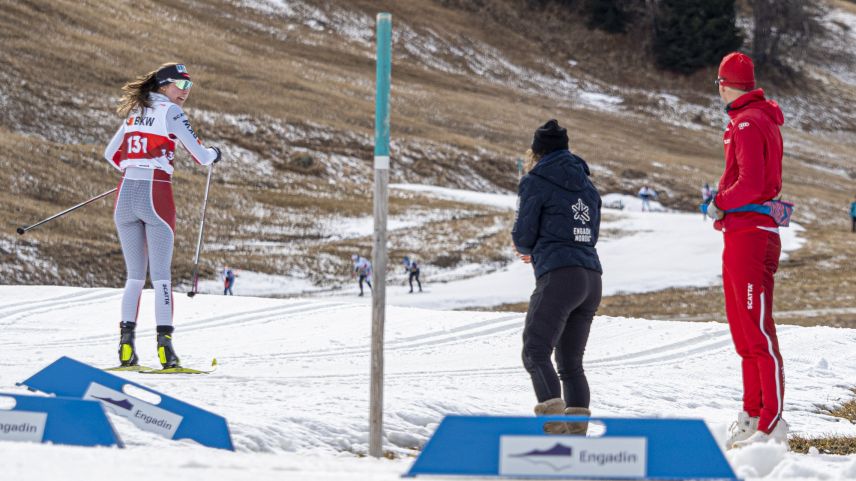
x=381, y=208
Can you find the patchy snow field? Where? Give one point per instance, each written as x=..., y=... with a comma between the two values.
x=649, y=251
x=293, y=380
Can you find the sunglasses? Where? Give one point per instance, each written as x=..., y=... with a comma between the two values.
x=719, y=80
x=182, y=84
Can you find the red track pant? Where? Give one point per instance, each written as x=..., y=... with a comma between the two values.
x=750, y=259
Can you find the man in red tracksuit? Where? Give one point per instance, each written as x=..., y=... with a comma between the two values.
x=753, y=175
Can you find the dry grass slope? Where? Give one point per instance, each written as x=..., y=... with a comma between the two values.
x=275, y=89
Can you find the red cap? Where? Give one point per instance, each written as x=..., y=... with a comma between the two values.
x=737, y=70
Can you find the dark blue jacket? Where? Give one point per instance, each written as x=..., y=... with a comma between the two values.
x=558, y=215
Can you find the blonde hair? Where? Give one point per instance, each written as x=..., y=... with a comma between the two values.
x=530, y=159
x=135, y=94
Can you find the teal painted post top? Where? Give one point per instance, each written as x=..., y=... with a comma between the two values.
x=384, y=60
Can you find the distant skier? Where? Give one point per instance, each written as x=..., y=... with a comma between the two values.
x=412, y=268
x=753, y=175
x=706, y=197
x=646, y=194
x=363, y=269
x=853, y=215
x=556, y=230
x=143, y=149
x=228, y=280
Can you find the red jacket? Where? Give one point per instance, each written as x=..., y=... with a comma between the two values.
x=753, y=160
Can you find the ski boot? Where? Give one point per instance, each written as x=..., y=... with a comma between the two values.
x=166, y=354
x=127, y=353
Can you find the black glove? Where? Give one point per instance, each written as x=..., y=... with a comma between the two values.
x=219, y=156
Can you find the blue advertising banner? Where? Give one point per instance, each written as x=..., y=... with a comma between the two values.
x=627, y=449
x=56, y=420
x=168, y=417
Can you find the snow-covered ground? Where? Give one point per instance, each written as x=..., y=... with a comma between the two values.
x=294, y=373
x=293, y=382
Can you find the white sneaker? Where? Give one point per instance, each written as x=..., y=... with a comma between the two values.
x=742, y=429
x=778, y=435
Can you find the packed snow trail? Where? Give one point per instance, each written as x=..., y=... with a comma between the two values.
x=639, y=251
x=294, y=375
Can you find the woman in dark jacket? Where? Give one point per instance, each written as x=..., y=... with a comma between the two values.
x=557, y=226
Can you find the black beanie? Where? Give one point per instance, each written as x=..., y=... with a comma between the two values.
x=550, y=137
x=171, y=73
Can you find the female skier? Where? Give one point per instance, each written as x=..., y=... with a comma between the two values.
x=556, y=230
x=144, y=149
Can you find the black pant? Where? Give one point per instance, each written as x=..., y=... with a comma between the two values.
x=853, y=228
x=414, y=275
x=364, y=278
x=560, y=313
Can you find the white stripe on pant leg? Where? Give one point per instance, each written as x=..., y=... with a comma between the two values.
x=775, y=361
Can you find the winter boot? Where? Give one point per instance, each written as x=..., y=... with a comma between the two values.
x=577, y=427
x=779, y=434
x=127, y=353
x=166, y=354
x=552, y=407
x=742, y=429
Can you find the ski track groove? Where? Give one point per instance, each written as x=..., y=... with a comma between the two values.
x=243, y=319
x=35, y=301
x=693, y=348
x=60, y=302
x=667, y=352
x=402, y=343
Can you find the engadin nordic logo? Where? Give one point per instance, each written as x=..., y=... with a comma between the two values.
x=581, y=211
x=181, y=68
x=558, y=457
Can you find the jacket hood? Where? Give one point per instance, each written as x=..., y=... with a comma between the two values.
x=756, y=100
x=564, y=169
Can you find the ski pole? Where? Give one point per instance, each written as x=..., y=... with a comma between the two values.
x=195, y=275
x=23, y=229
